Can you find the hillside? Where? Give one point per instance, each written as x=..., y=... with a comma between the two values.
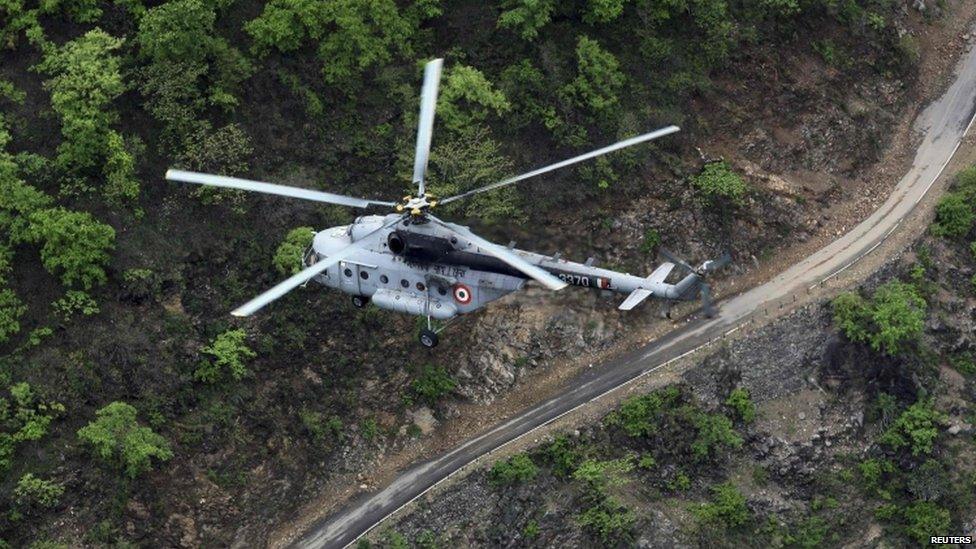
x=136, y=410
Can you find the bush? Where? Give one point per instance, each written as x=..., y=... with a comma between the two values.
x=889, y=323
x=601, y=475
x=37, y=492
x=610, y=520
x=526, y=16
x=433, y=383
x=515, y=470
x=73, y=302
x=229, y=354
x=717, y=181
x=598, y=79
x=117, y=438
x=916, y=428
x=74, y=243
x=924, y=519
x=651, y=241
x=714, y=431
x=288, y=257
x=637, y=415
x=467, y=99
x=743, y=406
x=727, y=508
x=953, y=216
x=11, y=309
x=320, y=427
x=23, y=418
x=873, y=473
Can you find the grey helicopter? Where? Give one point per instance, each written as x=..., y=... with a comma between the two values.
x=412, y=262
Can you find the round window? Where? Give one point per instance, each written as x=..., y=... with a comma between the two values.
x=442, y=290
x=347, y=272
x=404, y=283
x=363, y=275
x=384, y=279
x=421, y=287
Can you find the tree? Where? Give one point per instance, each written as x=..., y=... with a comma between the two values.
x=116, y=437
x=11, y=309
x=467, y=98
x=352, y=35
x=953, y=216
x=924, y=519
x=916, y=428
x=598, y=79
x=34, y=491
x=603, y=11
x=229, y=354
x=526, y=16
x=743, y=406
x=73, y=243
x=433, y=383
x=514, y=470
x=718, y=181
x=727, y=508
x=86, y=78
x=889, y=322
x=288, y=257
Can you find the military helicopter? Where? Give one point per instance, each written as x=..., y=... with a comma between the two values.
x=411, y=262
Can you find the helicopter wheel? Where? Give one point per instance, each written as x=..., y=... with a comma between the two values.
x=428, y=338
x=360, y=301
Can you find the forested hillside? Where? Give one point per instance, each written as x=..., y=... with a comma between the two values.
x=135, y=410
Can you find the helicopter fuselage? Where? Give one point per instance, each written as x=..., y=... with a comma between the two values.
x=422, y=269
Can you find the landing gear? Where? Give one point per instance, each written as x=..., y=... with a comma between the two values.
x=360, y=301
x=428, y=338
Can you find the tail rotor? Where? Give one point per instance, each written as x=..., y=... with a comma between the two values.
x=702, y=273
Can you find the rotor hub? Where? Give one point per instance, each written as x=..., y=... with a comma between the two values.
x=416, y=205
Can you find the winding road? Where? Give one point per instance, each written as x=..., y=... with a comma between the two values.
x=943, y=125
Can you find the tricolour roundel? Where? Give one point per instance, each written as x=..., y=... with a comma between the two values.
x=462, y=294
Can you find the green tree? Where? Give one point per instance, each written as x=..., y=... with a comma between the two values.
x=916, y=428
x=893, y=319
x=23, y=417
x=86, y=78
x=229, y=354
x=924, y=519
x=953, y=216
x=727, y=508
x=603, y=11
x=598, y=79
x=743, y=406
x=116, y=437
x=18, y=201
x=514, y=470
x=288, y=257
x=433, y=383
x=352, y=35
x=11, y=309
x=36, y=492
x=73, y=243
x=526, y=16
x=718, y=181
x=467, y=98
x=600, y=475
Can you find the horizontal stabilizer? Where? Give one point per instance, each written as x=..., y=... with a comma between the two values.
x=634, y=299
x=662, y=272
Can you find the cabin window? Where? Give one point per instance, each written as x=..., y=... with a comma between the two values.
x=404, y=283
x=442, y=290
x=421, y=287
x=384, y=279
x=363, y=275
x=347, y=272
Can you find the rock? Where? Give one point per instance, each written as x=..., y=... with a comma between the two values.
x=802, y=416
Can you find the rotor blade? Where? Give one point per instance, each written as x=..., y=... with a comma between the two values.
x=425, y=124
x=271, y=188
x=616, y=146
x=706, y=296
x=676, y=260
x=509, y=257
x=308, y=273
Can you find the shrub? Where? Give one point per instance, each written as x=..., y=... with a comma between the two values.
x=229, y=354
x=893, y=319
x=526, y=16
x=636, y=416
x=714, y=432
x=433, y=383
x=73, y=302
x=873, y=472
x=319, y=426
x=599, y=475
x=288, y=257
x=598, y=79
x=743, y=406
x=717, y=181
x=924, y=519
x=11, y=309
x=953, y=216
x=74, y=243
x=727, y=508
x=116, y=437
x=23, y=418
x=561, y=456
x=467, y=98
x=650, y=242
x=515, y=470
x=917, y=428
x=34, y=491
x=610, y=520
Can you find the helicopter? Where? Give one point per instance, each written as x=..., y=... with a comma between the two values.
x=412, y=262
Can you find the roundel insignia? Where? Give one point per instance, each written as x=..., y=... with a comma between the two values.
x=462, y=294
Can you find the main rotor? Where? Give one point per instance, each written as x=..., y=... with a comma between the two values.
x=413, y=206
